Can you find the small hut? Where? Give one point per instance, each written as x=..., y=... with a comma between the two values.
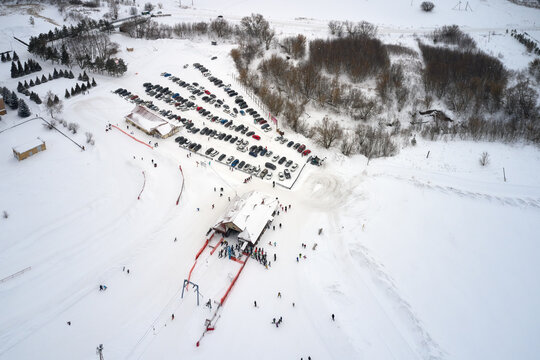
x=23, y=151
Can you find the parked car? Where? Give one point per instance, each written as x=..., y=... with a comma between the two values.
x=282, y=160
x=234, y=163
x=294, y=167
x=269, y=165
x=230, y=159
x=251, y=133
x=296, y=146
x=242, y=164
x=208, y=151
x=281, y=176
x=291, y=143
x=275, y=158
x=288, y=163
x=221, y=157
x=306, y=152
x=256, y=137
x=301, y=148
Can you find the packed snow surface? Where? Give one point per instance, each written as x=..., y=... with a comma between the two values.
x=425, y=255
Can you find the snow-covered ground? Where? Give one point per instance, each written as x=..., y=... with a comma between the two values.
x=419, y=257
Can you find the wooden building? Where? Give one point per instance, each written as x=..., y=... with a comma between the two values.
x=23, y=151
x=2, y=106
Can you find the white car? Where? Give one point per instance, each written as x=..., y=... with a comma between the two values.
x=229, y=160
x=294, y=167
x=275, y=158
x=269, y=175
x=281, y=176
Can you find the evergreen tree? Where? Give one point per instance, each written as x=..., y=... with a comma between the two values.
x=3, y=57
x=37, y=100
x=88, y=85
x=38, y=67
x=43, y=79
x=50, y=77
x=24, y=111
x=71, y=76
x=50, y=103
x=14, y=101
x=55, y=74
x=80, y=77
x=32, y=83
x=67, y=94
x=20, y=68
x=110, y=66
x=15, y=56
x=94, y=82
x=56, y=99
x=77, y=89
x=65, y=56
x=26, y=86
x=26, y=68
x=8, y=57
x=73, y=93
x=38, y=82
x=83, y=88
x=85, y=77
x=20, y=88
x=61, y=73
x=6, y=94
x=121, y=67
x=14, y=71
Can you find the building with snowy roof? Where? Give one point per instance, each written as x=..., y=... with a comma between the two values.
x=28, y=149
x=150, y=123
x=249, y=216
x=2, y=106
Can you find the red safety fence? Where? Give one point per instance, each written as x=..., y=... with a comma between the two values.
x=144, y=183
x=217, y=245
x=189, y=276
x=202, y=249
x=233, y=282
x=131, y=136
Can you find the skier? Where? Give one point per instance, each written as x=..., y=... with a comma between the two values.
x=280, y=225
x=172, y=317
x=333, y=318
x=255, y=303
x=275, y=257
x=279, y=295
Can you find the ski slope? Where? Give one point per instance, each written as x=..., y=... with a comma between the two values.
x=419, y=257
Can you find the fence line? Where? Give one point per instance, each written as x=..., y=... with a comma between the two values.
x=15, y=274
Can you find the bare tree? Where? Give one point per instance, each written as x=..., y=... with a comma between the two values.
x=336, y=28
x=257, y=27
x=292, y=115
x=148, y=6
x=221, y=27
x=53, y=103
x=348, y=145
x=328, y=132
x=484, y=159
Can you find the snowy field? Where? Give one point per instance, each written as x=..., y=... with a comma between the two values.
x=420, y=257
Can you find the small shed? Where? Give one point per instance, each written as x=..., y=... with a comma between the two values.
x=2, y=106
x=23, y=151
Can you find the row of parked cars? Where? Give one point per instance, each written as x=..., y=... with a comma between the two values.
x=301, y=148
x=254, y=170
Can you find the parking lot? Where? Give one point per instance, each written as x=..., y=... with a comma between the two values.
x=220, y=124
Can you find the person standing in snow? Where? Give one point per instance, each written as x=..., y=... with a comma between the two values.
x=333, y=317
x=279, y=295
x=172, y=317
x=255, y=303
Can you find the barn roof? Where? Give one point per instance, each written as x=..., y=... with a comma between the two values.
x=249, y=213
x=145, y=119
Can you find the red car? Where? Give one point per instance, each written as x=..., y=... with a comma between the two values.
x=207, y=92
x=306, y=152
x=199, y=108
x=256, y=137
x=301, y=148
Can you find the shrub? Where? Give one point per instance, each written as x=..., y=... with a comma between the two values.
x=427, y=6
x=484, y=159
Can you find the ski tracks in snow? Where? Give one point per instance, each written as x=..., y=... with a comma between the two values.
x=450, y=190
